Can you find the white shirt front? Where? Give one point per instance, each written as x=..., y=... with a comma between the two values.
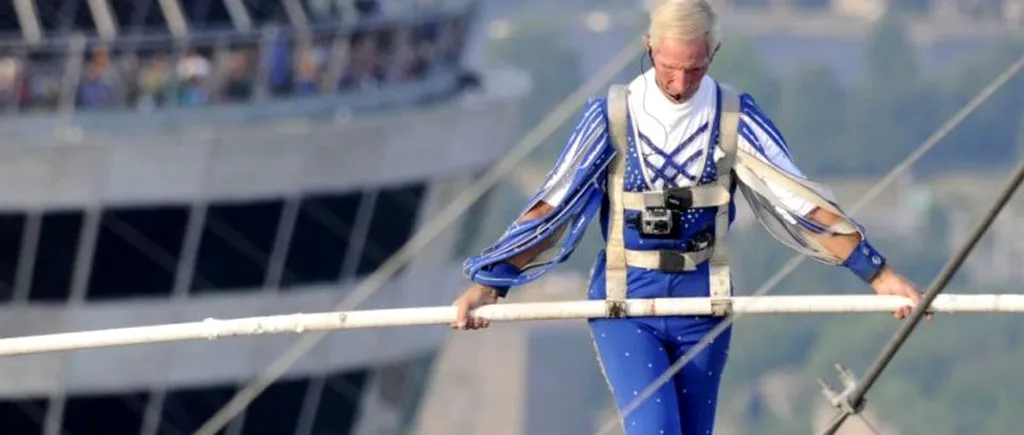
x=684, y=130
x=680, y=130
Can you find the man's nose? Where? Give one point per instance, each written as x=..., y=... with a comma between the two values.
x=679, y=77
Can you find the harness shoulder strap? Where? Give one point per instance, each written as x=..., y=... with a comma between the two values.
x=718, y=265
x=615, y=254
x=729, y=129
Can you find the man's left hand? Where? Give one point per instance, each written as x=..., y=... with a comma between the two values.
x=888, y=282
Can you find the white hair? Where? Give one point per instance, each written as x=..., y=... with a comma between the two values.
x=685, y=20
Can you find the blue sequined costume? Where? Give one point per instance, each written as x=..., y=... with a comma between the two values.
x=633, y=352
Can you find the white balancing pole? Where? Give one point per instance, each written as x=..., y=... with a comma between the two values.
x=210, y=329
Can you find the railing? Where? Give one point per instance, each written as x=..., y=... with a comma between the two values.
x=152, y=72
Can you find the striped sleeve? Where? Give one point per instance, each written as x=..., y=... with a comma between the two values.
x=758, y=135
x=590, y=127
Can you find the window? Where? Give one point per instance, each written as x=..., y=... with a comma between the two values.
x=184, y=411
x=206, y=13
x=236, y=246
x=133, y=16
x=339, y=403
x=325, y=11
x=403, y=384
x=12, y=227
x=63, y=16
x=321, y=239
x=106, y=414
x=23, y=416
x=266, y=12
x=276, y=411
x=55, y=256
x=9, y=22
x=392, y=223
x=137, y=251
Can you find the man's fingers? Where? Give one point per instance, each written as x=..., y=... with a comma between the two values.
x=461, y=314
x=902, y=312
x=478, y=322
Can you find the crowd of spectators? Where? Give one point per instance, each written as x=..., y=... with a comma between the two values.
x=223, y=67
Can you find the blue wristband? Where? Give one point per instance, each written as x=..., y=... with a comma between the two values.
x=865, y=261
x=504, y=268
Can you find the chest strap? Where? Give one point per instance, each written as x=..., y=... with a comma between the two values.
x=705, y=195
x=617, y=257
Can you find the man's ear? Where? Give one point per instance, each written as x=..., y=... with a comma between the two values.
x=647, y=41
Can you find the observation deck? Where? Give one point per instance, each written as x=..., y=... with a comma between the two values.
x=168, y=161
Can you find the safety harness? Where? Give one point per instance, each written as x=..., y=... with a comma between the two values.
x=716, y=194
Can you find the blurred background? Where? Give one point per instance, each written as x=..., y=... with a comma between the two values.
x=172, y=160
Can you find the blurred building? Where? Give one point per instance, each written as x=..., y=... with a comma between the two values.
x=168, y=161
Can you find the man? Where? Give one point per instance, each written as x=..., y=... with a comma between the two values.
x=661, y=160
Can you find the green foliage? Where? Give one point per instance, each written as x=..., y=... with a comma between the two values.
x=739, y=64
x=1020, y=140
x=812, y=108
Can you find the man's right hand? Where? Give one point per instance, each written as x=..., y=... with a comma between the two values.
x=474, y=297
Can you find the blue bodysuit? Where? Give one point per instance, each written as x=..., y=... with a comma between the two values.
x=678, y=147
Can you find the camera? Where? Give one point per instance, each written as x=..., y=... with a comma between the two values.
x=657, y=222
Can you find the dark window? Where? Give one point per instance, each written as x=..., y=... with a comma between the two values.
x=133, y=16
x=276, y=411
x=321, y=238
x=339, y=403
x=236, y=245
x=9, y=23
x=62, y=16
x=323, y=11
x=23, y=416
x=107, y=414
x=266, y=11
x=55, y=256
x=206, y=13
x=394, y=218
x=184, y=411
x=137, y=252
x=12, y=227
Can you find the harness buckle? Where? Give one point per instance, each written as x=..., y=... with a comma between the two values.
x=721, y=307
x=679, y=199
x=616, y=308
x=675, y=262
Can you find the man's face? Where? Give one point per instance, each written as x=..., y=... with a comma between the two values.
x=679, y=66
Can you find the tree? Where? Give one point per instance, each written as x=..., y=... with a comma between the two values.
x=989, y=135
x=739, y=64
x=812, y=110
x=1020, y=139
x=893, y=109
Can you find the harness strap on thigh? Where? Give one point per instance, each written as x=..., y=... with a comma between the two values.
x=615, y=253
x=718, y=270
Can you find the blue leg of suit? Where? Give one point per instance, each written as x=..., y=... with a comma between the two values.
x=634, y=352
